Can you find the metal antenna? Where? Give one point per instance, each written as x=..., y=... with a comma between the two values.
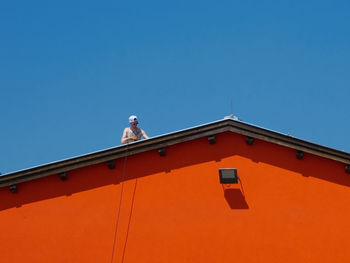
x=231, y=116
x=231, y=111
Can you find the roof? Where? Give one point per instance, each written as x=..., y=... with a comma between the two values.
x=162, y=141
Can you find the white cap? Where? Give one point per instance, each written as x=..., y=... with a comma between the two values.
x=132, y=118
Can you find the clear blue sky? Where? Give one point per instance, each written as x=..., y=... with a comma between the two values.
x=71, y=72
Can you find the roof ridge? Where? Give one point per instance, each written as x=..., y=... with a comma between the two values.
x=168, y=139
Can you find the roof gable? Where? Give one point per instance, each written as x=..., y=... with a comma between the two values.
x=161, y=142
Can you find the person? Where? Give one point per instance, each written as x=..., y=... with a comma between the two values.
x=133, y=133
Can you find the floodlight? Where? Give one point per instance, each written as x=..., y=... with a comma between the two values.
x=249, y=140
x=111, y=164
x=228, y=176
x=13, y=188
x=212, y=139
x=63, y=176
x=300, y=154
x=162, y=151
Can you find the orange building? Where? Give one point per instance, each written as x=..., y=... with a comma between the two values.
x=161, y=200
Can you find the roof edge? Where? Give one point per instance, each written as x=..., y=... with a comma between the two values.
x=171, y=139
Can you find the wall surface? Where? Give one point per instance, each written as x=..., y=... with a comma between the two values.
x=173, y=209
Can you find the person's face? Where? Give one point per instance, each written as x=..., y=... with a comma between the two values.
x=134, y=124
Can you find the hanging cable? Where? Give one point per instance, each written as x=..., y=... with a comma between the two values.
x=240, y=181
x=131, y=210
x=120, y=204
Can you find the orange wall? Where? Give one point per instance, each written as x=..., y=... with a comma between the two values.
x=173, y=209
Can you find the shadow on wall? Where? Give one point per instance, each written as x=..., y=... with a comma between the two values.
x=178, y=156
x=235, y=198
x=309, y=166
x=231, y=144
x=99, y=175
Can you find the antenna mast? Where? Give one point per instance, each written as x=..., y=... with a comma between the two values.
x=231, y=116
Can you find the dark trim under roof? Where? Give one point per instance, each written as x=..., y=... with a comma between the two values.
x=171, y=139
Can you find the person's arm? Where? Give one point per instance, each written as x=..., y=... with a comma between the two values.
x=125, y=138
x=144, y=134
